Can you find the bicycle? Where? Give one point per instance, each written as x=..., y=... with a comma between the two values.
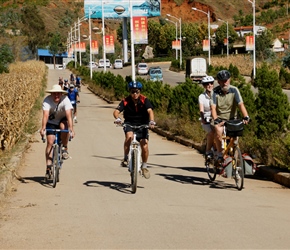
x=134, y=156
x=57, y=161
x=230, y=144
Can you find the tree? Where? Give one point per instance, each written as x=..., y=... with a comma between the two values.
x=263, y=45
x=55, y=46
x=271, y=103
x=34, y=27
x=221, y=34
x=6, y=57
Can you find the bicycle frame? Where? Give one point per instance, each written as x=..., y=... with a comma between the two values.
x=134, y=156
x=56, y=150
x=135, y=145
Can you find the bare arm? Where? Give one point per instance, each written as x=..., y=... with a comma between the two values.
x=68, y=114
x=116, y=113
x=44, y=122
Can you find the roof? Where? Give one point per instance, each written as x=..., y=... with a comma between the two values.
x=45, y=52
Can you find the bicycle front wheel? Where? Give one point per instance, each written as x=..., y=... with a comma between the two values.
x=134, y=170
x=238, y=168
x=211, y=169
x=55, y=166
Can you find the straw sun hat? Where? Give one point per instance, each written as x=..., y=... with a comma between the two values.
x=56, y=89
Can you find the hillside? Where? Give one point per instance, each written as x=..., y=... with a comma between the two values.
x=60, y=15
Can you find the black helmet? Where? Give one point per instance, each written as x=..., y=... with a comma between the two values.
x=223, y=75
x=135, y=85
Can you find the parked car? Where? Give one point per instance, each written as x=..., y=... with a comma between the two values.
x=101, y=63
x=94, y=65
x=155, y=74
x=59, y=67
x=142, y=69
x=118, y=64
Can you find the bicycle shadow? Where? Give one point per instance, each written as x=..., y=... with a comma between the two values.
x=118, y=186
x=37, y=179
x=183, y=179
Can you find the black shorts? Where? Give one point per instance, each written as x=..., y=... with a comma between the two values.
x=141, y=133
x=53, y=126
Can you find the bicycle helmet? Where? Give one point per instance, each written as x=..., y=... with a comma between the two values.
x=223, y=75
x=135, y=85
x=207, y=79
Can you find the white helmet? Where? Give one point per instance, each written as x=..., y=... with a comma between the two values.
x=207, y=79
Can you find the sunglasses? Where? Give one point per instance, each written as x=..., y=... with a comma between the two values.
x=135, y=91
x=208, y=83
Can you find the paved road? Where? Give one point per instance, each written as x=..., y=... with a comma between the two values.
x=177, y=208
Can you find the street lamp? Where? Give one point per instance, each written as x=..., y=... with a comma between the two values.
x=208, y=27
x=180, y=38
x=176, y=54
x=104, y=39
x=79, y=37
x=254, y=37
x=227, y=35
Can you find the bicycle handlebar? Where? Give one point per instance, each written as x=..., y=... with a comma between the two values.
x=57, y=131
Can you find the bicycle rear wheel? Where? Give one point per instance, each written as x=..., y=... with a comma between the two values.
x=55, y=166
x=134, y=170
x=211, y=169
x=238, y=168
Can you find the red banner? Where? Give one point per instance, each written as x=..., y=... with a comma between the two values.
x=205, y=45
x=109, y=42
x=95, y=47
x=140, y=30
x=225, y=41
x=249, y=43
x=176, y=44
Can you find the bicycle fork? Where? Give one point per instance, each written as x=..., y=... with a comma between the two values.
x=135, y=146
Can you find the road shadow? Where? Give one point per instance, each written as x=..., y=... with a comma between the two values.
x=118, y=186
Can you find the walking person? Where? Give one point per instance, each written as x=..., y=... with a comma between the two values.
x=137, y=110
x=56, y=115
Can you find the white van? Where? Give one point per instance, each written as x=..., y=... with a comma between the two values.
x=101, y=63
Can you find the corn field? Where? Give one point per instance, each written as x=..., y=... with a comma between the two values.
x=18, y=92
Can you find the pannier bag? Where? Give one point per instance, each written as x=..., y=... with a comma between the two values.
x=234, y=128
x=250, y=165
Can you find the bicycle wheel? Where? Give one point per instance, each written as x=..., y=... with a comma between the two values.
x=134, y=170
x=55, y=166
x=238, y=168
x=211, y=169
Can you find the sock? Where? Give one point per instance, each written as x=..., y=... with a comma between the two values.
x=125, y=157
x=144, y=165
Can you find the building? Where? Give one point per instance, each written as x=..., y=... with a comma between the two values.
x=44, y=55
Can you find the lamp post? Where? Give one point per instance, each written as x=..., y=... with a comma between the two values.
x=176, y=53
x=79, y=37
x=227, y=35
x=179, y=20
x=254, y=37
x=104, y=38
x=208, y=27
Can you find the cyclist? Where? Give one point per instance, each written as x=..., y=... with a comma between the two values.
x=65, y=85
x=137, y=110
x=56, y=115
x=205, y=113
x=73, y=96
x=78, y=83
x=224, y=103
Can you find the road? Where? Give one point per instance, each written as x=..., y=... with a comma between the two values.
x=92, y=206
x=170, y=77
